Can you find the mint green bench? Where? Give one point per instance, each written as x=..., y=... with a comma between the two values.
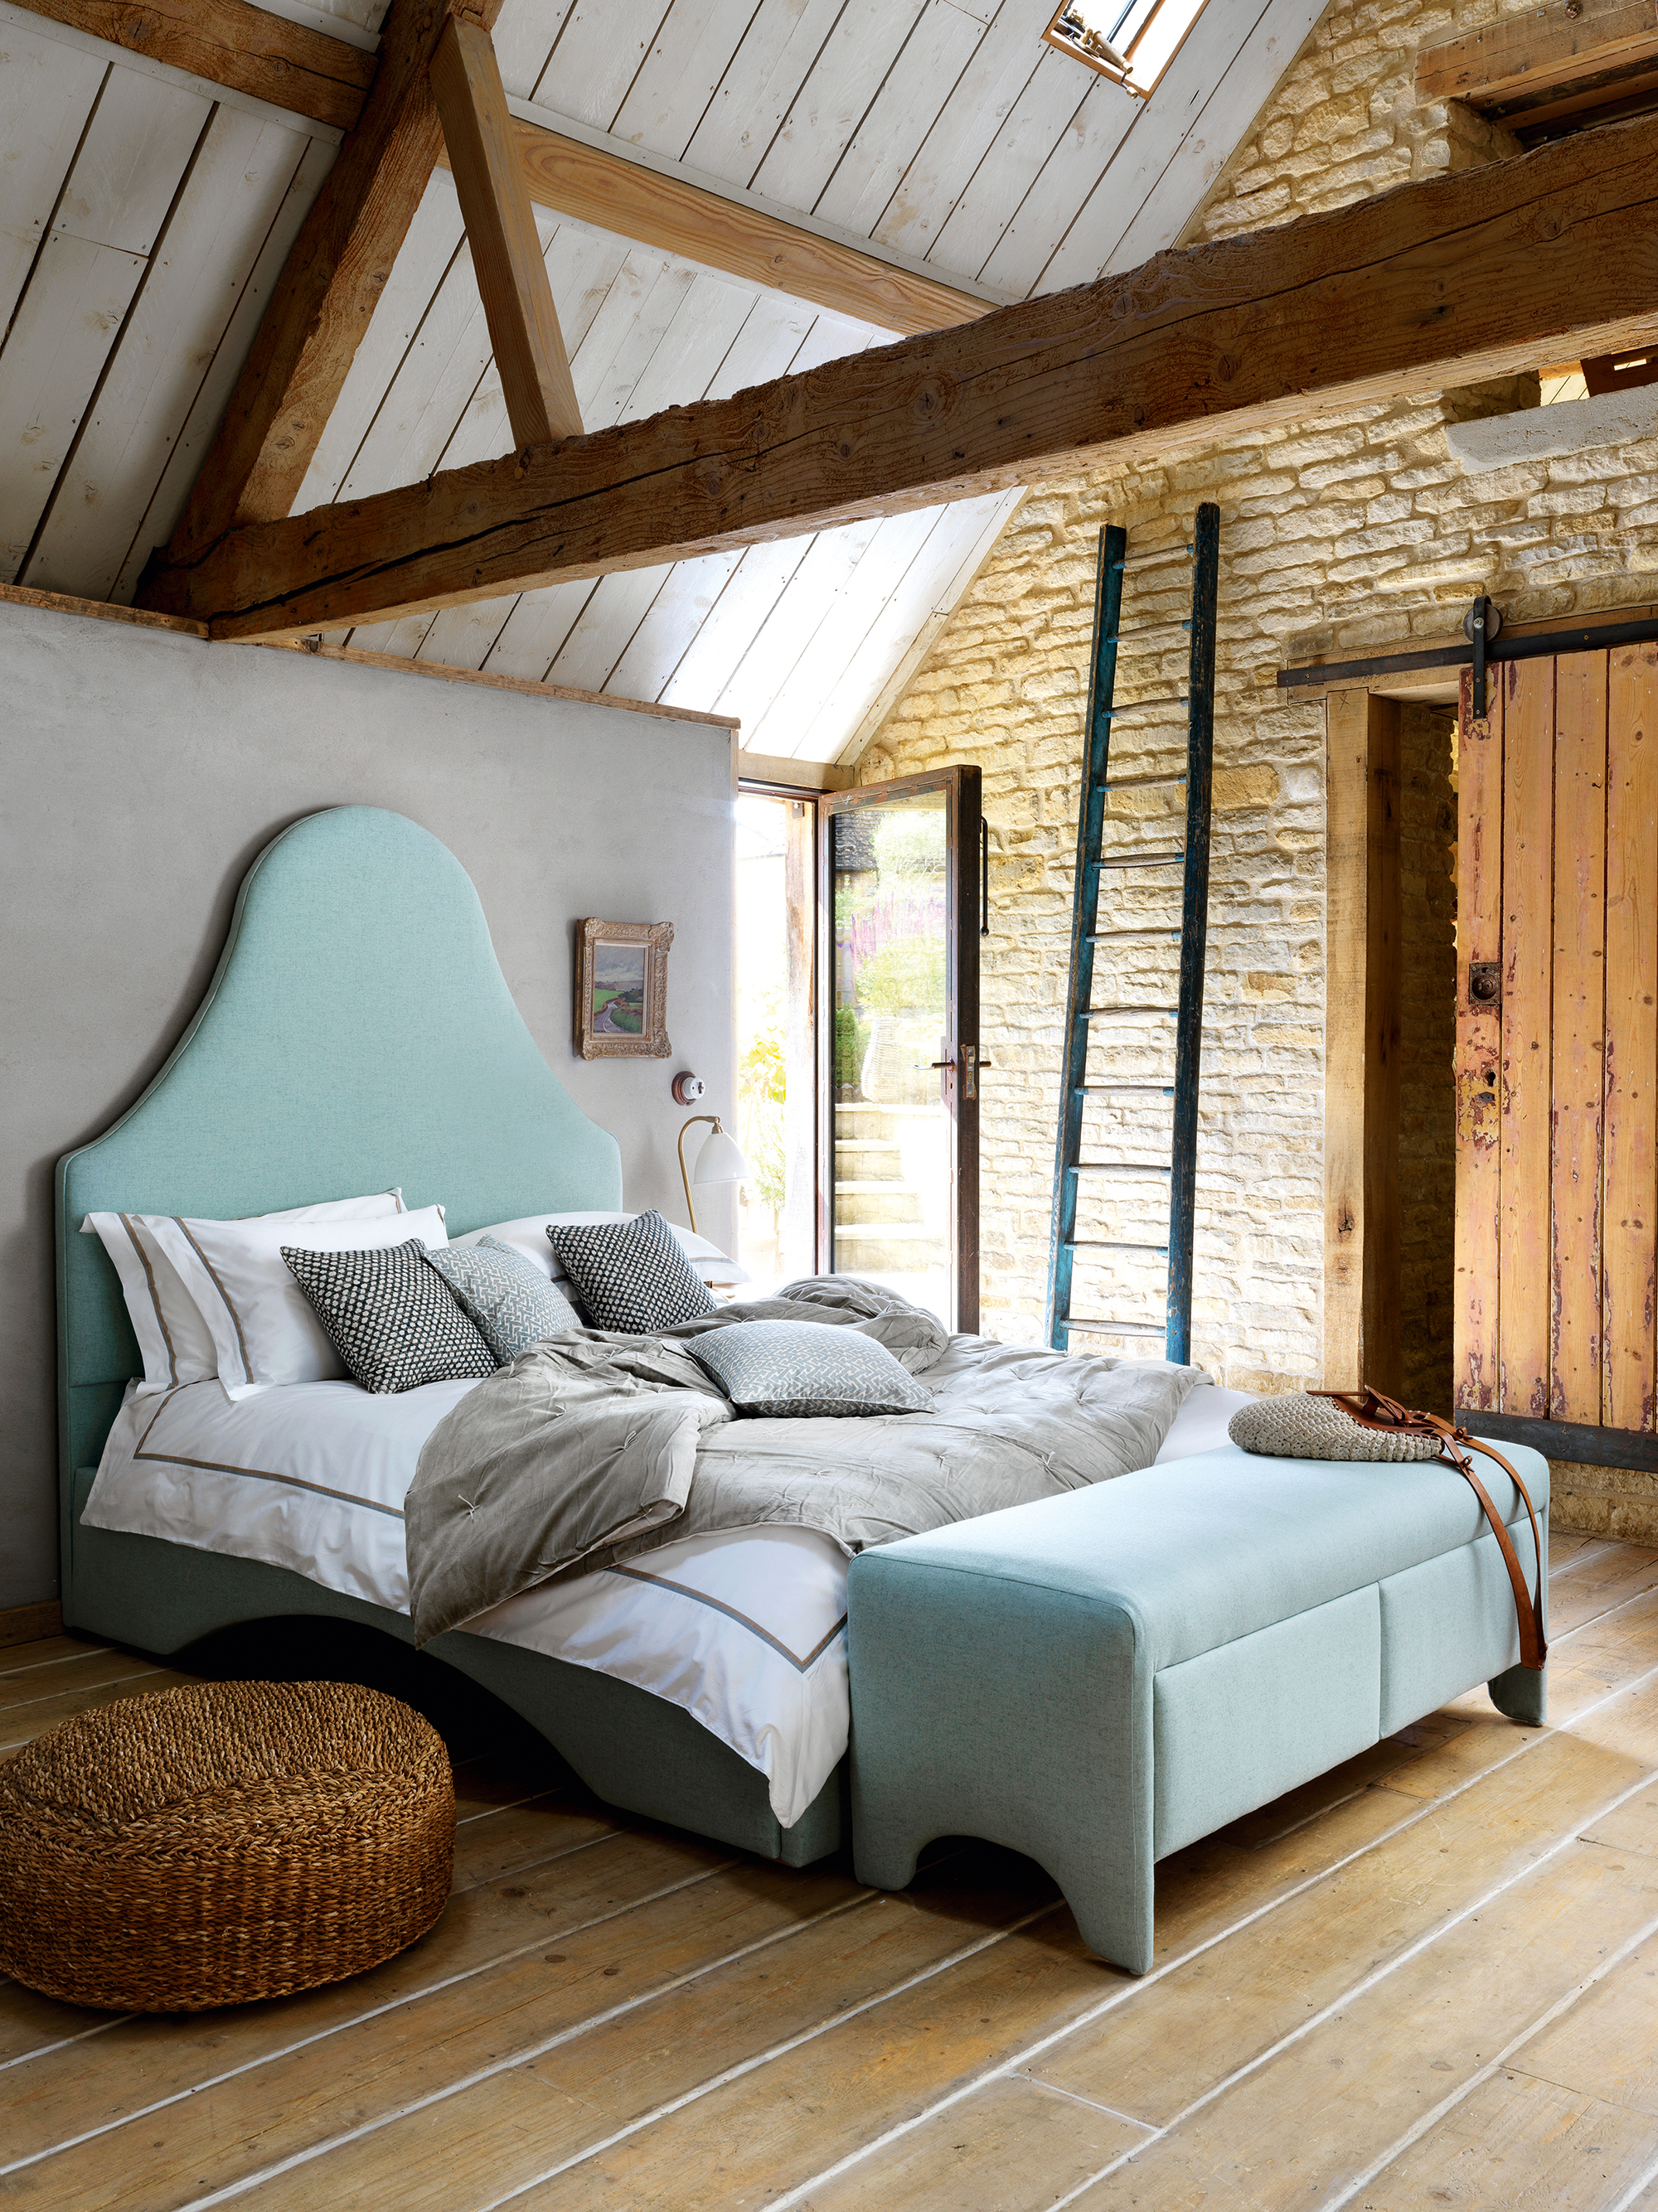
x=1100, y=1678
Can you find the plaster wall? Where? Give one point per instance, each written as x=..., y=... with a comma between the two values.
x=140, y=773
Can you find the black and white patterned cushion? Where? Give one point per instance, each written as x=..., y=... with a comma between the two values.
x=632, y=1275
x=509, y=1300
x=803, y=1370
x=392, y=1318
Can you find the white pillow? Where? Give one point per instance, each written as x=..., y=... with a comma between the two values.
x=264, y=1328
x=174, y=1340
x=528, y=1235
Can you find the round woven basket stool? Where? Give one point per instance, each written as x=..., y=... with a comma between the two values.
x=228, y=1841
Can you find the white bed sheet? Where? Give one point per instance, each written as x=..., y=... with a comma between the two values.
x=745, y=1630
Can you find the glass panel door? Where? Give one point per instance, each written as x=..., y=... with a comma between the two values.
x=897, y=1198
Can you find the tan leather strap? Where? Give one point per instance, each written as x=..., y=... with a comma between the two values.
x=1371, y=1410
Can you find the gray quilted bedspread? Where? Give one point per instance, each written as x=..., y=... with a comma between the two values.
x=593, y=1447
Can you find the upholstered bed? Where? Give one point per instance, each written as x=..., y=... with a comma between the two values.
x=357, y=1035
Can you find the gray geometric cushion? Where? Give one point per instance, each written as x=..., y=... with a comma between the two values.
x=632, y=1275
x=507, y=1297
x=800, y=1370
x=391, y=1317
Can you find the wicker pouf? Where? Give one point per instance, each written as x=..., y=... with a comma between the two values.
x=232, y=1840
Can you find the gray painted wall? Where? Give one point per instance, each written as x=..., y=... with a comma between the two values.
x=140, y=773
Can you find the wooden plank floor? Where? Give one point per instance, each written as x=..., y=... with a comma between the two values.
x=1430, y=1978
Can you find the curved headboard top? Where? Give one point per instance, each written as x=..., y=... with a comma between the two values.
x=358, y=1033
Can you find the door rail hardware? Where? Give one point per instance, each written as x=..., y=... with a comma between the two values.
x=1094, y=869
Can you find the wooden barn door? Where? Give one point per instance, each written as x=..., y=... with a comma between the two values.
x=1558, y=1041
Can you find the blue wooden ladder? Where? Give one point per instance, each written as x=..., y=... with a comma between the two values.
x=1093, y=864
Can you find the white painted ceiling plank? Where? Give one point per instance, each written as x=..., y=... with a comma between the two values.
x=536, y=630
x=1080, y=159
x=605, y=626
x=601, y=50
x=677, y=613
x=895, y=128
x=128, y=168
x=463, y=638
x=833, y=337
x=1227, y=113
x=755, y=681
x=433, y=239
x=857, y=58
x=694, y=347
x=523, y=36
x=1003, y=63
x=845, y=624
x=993, y=516
x=53, y=356
x=166, y=504
x=45, y=96
x=758, y=88
x=404, y=638
x=690, y=52
x=437, y=375
x=1045, y=111
x=738, y=615
x=867, y=661
x=606, y=389
x=238, y=184
x=768, y=345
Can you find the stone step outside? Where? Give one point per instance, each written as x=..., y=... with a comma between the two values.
x=875, y=1248
x=864, y=1203
x=868, y=1159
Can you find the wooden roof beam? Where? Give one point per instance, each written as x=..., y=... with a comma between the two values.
x=1513, y=65
x=229, y=42
x=1391, y=296
x=727, y=230
x=327, y=291
x=501, y=232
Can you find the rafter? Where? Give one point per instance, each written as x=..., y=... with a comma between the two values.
x=501, y=232
x=1447, y=281
x=328, y=289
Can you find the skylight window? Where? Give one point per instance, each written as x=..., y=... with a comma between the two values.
x=1130, y=41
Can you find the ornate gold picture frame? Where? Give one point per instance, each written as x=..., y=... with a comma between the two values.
x=621, y=990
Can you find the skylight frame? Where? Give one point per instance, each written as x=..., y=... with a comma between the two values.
x=1117, y=62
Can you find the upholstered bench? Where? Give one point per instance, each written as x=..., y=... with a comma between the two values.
x=1100, y=1678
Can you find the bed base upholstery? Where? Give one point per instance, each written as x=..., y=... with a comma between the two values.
x=1099, y=1679
x=635, y=1751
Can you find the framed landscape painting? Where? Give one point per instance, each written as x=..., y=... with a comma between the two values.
x=621, y=990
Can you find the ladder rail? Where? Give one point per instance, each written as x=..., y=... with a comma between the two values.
x=1093, y=866
x=1090, y=833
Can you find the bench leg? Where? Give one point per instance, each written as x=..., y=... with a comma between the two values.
x=1521, y=1693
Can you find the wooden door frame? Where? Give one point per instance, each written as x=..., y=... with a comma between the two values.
x=963, y=788
x=1363, y=1013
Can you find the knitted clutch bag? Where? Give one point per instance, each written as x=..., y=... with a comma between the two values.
x=1300, y=1426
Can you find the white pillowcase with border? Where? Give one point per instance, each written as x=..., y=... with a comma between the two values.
x=174, y=1340
x=528, y=1235
x=264, y=1331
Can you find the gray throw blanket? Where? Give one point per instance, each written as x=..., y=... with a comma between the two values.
x=593, y=1447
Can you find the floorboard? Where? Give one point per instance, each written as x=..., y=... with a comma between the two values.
x=1429, y=1976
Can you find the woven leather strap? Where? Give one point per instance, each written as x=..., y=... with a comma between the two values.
x=1371, y=1410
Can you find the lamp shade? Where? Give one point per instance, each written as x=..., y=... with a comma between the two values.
x=719, y=1161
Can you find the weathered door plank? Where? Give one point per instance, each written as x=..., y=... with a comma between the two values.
x=1630, y=1215
x=1479, y=1055
x=1527, y=819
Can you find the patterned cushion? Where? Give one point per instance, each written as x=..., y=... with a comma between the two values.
x=632, y=1275
x=799, y=1369
x=508, y=1298
x=390, y=1317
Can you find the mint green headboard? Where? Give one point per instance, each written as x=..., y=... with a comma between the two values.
x=359, y=1033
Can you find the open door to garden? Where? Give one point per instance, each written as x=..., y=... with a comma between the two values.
x=898, y=1066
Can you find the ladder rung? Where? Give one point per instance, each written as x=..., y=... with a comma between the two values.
x=1141, y=783
x=1125, y=936
x=1134, y=1090
x=1146, y=629
x=1095, y=1013
x=1120, y=1328
x=1145, y=861
x=1120, y=1167
x=1139, y=707
x=1110, y=1244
